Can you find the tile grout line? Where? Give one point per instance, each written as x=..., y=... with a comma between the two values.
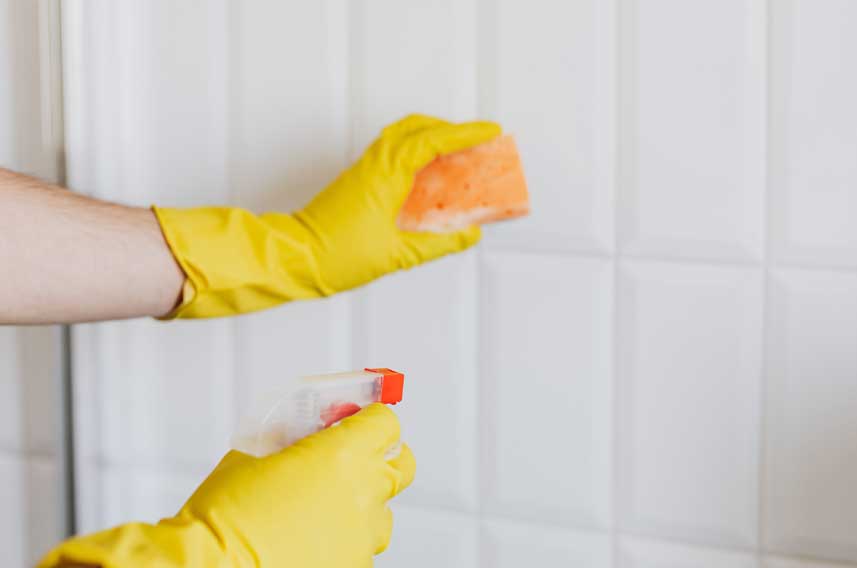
x=53, y=13
x=343, y=56
x=354, y=59
x=485, y=69
x=672, y=259
x=616, y=62
x=233, y=28
x=609, y=532
x=763, y=386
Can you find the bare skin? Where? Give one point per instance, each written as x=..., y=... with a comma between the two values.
x=66, y=258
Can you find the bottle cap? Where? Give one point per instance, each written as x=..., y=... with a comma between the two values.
x=392, y=385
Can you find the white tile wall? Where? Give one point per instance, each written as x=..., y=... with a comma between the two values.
x=29, y=520
x=411, y=56
x=689, y=370
x=777, y=562
x=144, y=493
x=811, y=426
x=425, y=538
x=630, y=377
x=166, y=392
x=433, y=336
x=510, y=545
x=812, y=151
x=30, y=136
x=692, y=128
x=28, y=390
x=546, y=75
x=546, y=385
x=638, y=553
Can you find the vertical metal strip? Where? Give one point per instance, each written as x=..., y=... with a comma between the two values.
x=53, y=137
x=68, y=481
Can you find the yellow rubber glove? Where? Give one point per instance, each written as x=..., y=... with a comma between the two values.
x=237, y=262
x=321, y=503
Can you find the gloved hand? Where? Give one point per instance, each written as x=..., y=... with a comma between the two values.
x=320, y=503
x=237, y=262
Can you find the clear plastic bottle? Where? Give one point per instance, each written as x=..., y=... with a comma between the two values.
x=310, y=404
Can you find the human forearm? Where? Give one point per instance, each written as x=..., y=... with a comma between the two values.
x=68, y=258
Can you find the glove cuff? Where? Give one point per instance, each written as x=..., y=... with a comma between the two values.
x=173, y=543
x=237, y=262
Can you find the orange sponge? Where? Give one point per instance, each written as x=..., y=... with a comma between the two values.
x=472, y=187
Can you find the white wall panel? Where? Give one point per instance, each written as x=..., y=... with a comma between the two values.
x=811, y=506
x=28, y=389
x=166, y=392
x=147, y=100
x=692, y=128
x=638, y=553
x=8, y=60
x=512, y=545
x=287, y=123
x=301, y=338
x=145, y=86
x=546, y=387
x=406, y=58
x=778, y=562
x=529, y=450
x=172, y=79
x=30, y=117
x=426, y=539
x=411, y=57
x=144, y=494
x=422, y=322
x=30, y=140
x=814, y=132
x=29, y=519
x=547, y=78
x=287, y=137
x=689, y=375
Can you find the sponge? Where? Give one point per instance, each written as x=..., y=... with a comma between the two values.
x=479, y=185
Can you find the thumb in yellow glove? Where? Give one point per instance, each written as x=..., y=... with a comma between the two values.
x=320, y=503
x=238, y=262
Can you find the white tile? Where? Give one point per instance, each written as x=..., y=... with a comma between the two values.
x=29, y=401
x=638, y=553
x=412, y=57
x=814, y=133
x=13, y=533
x=428, y=539
x=26, y=135
x=144, y=494
x=165, y=391
x=422, y=323
x=8, y=149
x=287, y=141
x=29, y=517
x=44, y=508
x=90, y=514
x=512, y=545
x=172, y=89
x=146, y=90
x=287, y=122
x=89, y=433
x=692, y=128
x=145, y=86
x=299, y=338
x=780, y=562
x=114, y=494
x=546, y=387
x=548, y=82
x=689, y=357
x=811, y=463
